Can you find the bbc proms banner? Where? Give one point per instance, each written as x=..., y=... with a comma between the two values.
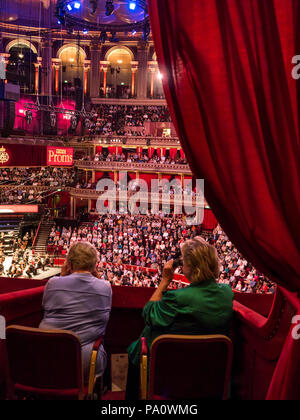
x=59, y=156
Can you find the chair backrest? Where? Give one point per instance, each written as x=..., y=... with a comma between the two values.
x=45, y=362
x=186, y=367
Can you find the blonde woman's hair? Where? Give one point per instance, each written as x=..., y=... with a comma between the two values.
x=201, y=259
x=82, y=256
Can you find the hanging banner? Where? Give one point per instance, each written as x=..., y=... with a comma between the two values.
x=59, y=156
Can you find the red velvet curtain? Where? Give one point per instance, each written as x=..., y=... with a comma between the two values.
x=98, y=175
x=173, y=153
x=24, y=155
x=227, y=68
x=150, y=152
x=139, y=151
x=148, y=178
x=209, y=221
x=98, y=149
x=132, y=175
x=112, y=150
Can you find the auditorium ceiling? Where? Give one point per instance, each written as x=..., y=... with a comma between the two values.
x=41, y=13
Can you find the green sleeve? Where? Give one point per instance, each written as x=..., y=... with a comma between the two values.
x=161, y=313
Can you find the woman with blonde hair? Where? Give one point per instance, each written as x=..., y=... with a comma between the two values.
x=204, y=307
x=80, y=302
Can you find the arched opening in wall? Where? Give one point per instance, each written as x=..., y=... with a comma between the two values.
x=20, y=68
x=72, y=69
x=119, y=75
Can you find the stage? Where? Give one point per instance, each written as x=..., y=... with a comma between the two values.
x=42, y=275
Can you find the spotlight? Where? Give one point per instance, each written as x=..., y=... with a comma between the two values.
x=85, y=31
x=77, y=5
x=133, y=32
x=109, y=7
x=132, y=5
x=92, y=6
x=28, y=117
x=60, y=14
x=69, y=7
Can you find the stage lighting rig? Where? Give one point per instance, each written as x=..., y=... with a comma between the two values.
x=93, y=6
x=103, y=37
x=68, y=17
x=146, y=31
x=60, y=13
x=109, y=7
x=113, y=37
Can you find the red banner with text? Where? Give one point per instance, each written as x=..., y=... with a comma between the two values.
x=59, y=156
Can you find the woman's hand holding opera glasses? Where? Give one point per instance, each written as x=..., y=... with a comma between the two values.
x=168, y=273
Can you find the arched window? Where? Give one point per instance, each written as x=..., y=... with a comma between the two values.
x=119, y=76
x=72, y=68
x=20, y=68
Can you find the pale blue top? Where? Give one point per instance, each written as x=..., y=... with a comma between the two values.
x=80, y=303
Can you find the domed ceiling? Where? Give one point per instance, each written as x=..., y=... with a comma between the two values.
x=92, y=12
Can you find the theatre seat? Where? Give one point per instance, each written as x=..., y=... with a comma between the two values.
x=47, y=364
x=187, y=367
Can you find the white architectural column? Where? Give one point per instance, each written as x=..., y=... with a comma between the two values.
x=142, y=56
x=46, y=48
x=95, y=70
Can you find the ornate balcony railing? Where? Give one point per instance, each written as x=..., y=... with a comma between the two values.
x=134, y=166
x=125, y=141
x=153, y=198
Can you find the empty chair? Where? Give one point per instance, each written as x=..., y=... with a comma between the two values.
x=187, y=367
x=47, y=364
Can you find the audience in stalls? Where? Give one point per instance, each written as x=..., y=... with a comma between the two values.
x=140, y=240
x=117, y=119
x=235, y=269
x=118, y=275
x=149, y=241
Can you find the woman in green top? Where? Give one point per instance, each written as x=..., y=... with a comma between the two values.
x=204, y=307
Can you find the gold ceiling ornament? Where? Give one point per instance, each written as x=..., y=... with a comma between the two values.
x=4, y=156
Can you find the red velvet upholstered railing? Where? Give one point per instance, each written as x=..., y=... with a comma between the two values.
x=263, y=348
x=23, y=307
x=262, y=341
x=8, y=285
